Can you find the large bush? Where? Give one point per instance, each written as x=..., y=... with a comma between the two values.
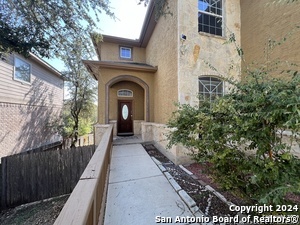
x=241, y=135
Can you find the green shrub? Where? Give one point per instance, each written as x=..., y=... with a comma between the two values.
x=241, y=135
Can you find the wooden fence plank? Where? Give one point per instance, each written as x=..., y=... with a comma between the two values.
x=40, y=175
x=4, y=183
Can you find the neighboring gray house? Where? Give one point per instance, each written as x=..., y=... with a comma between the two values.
x=31, y=100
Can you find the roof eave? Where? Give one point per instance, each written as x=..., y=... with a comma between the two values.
x=121, y=41
x=148, y=25
x=146, y=32
x=45, y=64
x=117, y=65
x=127, y=66
x=90, y=70
x=96, y=48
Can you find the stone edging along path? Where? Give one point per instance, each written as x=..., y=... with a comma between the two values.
x=184, y=196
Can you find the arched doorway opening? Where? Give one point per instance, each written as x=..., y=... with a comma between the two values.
x=127, y=104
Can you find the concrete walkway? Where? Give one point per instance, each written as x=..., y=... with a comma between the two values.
x=138, y=192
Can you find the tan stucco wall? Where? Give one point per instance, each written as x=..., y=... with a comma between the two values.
x=157, y=133
x=110, y=52
x=201, y=49
x=263, y=20
x=106, y=75
x=137, y=100
x=162, y=51
x=180, y=64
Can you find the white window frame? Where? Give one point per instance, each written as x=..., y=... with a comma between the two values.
x=217, y=16
x=214, y=90
x=16, y=70
x=125, y=96
x=125, y=48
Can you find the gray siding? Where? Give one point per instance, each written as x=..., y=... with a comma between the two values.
x=46, y=88
x=29, y=112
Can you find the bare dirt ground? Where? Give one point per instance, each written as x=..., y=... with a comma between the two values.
x=42, y=212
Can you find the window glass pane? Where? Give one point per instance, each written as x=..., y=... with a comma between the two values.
x=125, y=93
x=125, y=112
x=212, y=6
x=220, y=89
x=210, y=16
x=202, y=5
x=22, y=70
x=213, y=79
x=125, y=52
x=219, y=32
x=210, y=88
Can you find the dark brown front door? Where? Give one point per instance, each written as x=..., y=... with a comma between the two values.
x=125, y=125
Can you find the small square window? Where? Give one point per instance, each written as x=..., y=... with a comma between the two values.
x=22, y=70
x=125, y=53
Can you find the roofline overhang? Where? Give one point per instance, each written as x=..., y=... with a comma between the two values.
x=117, y=65
x=45, y=64
x=148, y=25
x=96, y=48
x=146, y=32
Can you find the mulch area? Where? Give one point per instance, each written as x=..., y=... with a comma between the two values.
x=194, y=185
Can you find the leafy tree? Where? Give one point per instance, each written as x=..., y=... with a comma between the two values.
x=86, y=121
x=81, y=87
x=161, y=7
x=44, y=27
x=57, y=28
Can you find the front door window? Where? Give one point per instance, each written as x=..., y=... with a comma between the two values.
x=125, y=112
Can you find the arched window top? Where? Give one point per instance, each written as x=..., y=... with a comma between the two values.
x=210, y=87
x=125, y=93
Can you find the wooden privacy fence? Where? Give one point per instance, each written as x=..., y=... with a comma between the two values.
x=87, y=201
x=49, y=147
x=40, y=175
x=84, y=140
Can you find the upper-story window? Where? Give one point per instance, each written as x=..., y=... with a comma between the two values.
x=210, y=88
x=22, y=70
x=210, y=16
x=125, y=93
x=125, y=52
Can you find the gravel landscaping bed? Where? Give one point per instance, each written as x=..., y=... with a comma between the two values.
x=196, y=186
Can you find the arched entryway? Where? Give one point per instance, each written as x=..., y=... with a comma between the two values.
x=127, y=103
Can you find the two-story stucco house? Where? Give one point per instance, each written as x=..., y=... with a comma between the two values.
x=31, y=100
x=175, y=59
x=140, y=80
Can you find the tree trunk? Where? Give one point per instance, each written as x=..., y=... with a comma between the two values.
x=75, y=129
